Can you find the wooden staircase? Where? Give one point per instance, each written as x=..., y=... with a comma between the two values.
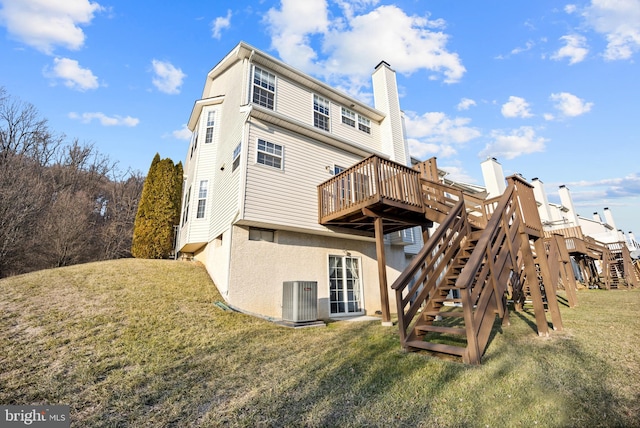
x=450, y=294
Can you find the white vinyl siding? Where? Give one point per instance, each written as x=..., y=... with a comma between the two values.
x=293, y=101
x=225, y=191
x=289, y=197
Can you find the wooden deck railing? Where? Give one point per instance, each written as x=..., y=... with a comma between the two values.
x=371, y=181
x=439, y=200
x=567, y=232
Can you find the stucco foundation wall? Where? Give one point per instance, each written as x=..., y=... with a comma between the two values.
x=258, y=269
x=215, y=256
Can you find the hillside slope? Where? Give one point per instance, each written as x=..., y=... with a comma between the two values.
x=141, y=343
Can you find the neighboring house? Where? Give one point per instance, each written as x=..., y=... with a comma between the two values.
x=265, y=135
x=561, y=216
x=563, y=219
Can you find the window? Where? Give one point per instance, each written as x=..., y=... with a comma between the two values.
x=236, y=157
x=364, y=124
x=194, y=142
x=338, y=169
x=185, y=211
x=256, y=234
x=269, y=154
x=345, y=286
x=202, y=198
x=348, y=117
x=264, y=88
x=211, y=120
x=320, y=113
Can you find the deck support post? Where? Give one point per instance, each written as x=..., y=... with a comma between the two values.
x=382, y=272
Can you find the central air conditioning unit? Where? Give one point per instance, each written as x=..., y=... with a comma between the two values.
x=300, y=301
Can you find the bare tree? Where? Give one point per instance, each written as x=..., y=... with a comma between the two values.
x=119, y=213
x=60, y=204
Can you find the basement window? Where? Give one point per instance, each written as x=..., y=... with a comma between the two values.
x=256, y=234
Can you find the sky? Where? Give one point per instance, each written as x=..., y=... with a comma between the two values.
x=551, y=89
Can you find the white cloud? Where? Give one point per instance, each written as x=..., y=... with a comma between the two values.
x=434, y=133
x=528, y=46
x=570, y=8
x=570, y=105
x=45, y=24
x=516, y=107
x=167, y=78
x=457, y=173
x=219, y=24
x=105, y=120
x=618, y=187
x=291, y=27
x=517, y=142
x=182, y=134
x=575, y=49
x=73, y=76
x=344, y=44
x=548, y=116
x=465, y=103
x=619, y=22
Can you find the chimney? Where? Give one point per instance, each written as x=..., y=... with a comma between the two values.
x=567, y=202
x=387, y=100
x=621, y=237
x=596, y=217
x=541, y=198
x=493, y=177
x=609, y=218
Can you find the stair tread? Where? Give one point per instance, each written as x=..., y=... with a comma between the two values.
x=446, y=299
x=441, y=329
x=437, y=347
x=449, y=287
x=444, y=313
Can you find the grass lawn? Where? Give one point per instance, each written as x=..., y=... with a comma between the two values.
x=141, y=343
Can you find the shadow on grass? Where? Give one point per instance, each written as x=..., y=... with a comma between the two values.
x=563, y=301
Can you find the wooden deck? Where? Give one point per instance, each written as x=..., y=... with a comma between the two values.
x=373, y=188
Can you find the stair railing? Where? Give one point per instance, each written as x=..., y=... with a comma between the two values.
x=417, y=283
x=483, y=281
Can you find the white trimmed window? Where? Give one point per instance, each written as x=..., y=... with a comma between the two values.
x=194, y=142
x=364, y=124
x=211, y=121
x=264, y=88
x=185, y=211
x=269, y=154
x=348, y=117
x=202, y=198
x=236, y=157
x=320, y=112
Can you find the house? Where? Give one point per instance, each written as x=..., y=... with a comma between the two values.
x=265, y=135
x=596, y=247
x=288, y=179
